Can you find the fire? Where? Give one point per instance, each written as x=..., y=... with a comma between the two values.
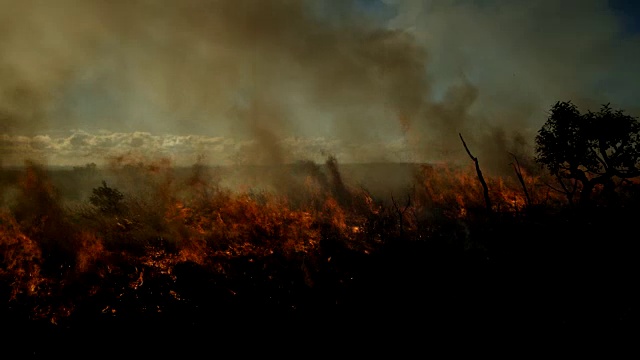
x=115, y=249
x=456, y=191
x=90, y=251
x=21, y=259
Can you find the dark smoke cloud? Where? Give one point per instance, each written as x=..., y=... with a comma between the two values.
x=264, y=73
x=249, y=69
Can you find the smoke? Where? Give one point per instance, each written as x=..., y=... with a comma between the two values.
x=260, y=70
x=397, y=82
x=512, y=60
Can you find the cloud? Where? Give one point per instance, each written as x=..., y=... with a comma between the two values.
x=82, y=147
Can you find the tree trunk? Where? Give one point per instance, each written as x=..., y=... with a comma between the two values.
x=585, y=193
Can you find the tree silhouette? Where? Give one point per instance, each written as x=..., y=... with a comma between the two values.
x=107, y=199
x=589, y=150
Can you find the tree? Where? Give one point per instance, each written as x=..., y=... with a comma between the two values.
x=584, y=151
x=107, y=199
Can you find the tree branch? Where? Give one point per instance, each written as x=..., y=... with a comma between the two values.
x=485, y=188
x=516, y=168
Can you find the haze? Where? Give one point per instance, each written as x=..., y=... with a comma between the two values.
x=271, y=82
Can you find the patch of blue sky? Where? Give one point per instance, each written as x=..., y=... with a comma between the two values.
x=629, y=13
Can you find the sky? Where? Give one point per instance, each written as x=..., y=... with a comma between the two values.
x=277, y=81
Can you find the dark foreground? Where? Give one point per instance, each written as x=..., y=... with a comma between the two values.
x=316, y=280
x=538, y=279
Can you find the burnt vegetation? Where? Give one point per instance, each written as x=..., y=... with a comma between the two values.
x=148, y=247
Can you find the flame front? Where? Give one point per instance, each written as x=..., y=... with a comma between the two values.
x=128, y=251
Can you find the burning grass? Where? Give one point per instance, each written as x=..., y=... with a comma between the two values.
x=150, y=241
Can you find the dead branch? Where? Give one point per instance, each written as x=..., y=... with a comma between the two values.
x=516, y=168
x=485, y=188
x=401, y=212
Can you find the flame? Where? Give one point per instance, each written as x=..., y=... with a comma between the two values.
x=90, y=251
x=117, y=255
x=21, y=258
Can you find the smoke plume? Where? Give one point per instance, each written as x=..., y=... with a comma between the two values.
x=272, y=82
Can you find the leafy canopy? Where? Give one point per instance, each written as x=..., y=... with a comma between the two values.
x=592, y=147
